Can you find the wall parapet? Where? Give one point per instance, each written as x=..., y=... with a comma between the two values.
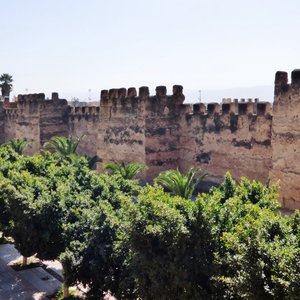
x=282, y=85
x=251, y=107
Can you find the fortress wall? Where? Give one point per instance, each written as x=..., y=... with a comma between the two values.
x=247, y=138
x=162, y=130
x=286, y=138
x=2, y=122
x=8, y=114
x=54, y=117
x=27, y=122
x=121, y=130
x=232, y=136
x=84, y=123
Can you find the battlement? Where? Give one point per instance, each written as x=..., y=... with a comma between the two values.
x=31, y=98
x=251, y=107
x=282, y=84
x=84, y=112
x=38, y=98
x=11, y=113
x=123, y=94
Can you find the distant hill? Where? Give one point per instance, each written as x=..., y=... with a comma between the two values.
x=264, y=93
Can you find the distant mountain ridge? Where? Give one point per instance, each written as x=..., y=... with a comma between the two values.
x=264, y=93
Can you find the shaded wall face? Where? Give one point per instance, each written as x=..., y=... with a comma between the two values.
x=2, y=120
x=286, y=143
x=162, y=133
x=121, y=129
x=84, y=124
x=53, y=119
x=36, y=119
x=28, y=122
x=233, y=137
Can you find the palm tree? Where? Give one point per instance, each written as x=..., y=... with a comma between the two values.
x=19, y=145
x=65, y=147
x=128, y=171
x=181, y=184
x=6, y=84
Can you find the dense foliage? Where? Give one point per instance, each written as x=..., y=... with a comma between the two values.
x=111, y=234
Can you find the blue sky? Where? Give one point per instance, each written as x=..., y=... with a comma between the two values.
x=231, y=47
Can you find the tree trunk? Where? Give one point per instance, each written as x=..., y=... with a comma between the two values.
x=66, y=291
x=24, y=262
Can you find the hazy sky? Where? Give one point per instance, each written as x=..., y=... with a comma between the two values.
x=71, y=46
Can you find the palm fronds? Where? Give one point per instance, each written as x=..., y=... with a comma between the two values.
x=64, y=146
x=127, y=171
x=181, y=184
x=19, y=145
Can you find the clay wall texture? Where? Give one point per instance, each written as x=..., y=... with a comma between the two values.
x=246, y=137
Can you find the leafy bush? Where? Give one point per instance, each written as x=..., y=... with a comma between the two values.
x=171, y=247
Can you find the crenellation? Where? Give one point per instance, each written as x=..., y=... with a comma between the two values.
x=144, y=92
x=196, y=107
x=226, y=108
x=296, y=77
x=242, y=108
x=263, y=108
x=122, y=93
x=281, y=78
x=11, y=113
x=55, y=97
x=103, y=96
x=131, y=92
x=161, y=91
x=250, y=107
x=178, y=91
x=113, y=94
x=31, y=98
x=213, y=108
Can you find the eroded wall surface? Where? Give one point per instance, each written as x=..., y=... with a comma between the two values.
x=234, y=136
x=286, y=138
x=36, y=119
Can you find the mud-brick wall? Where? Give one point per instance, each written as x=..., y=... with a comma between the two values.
x=34, y=118
x=28, y=119
x=9, y=114
x=2, y=120
x=233, y=136
x=121, y=130
x=286, y=138
x=162, y=130
x=54, y=116
x=84, y=124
